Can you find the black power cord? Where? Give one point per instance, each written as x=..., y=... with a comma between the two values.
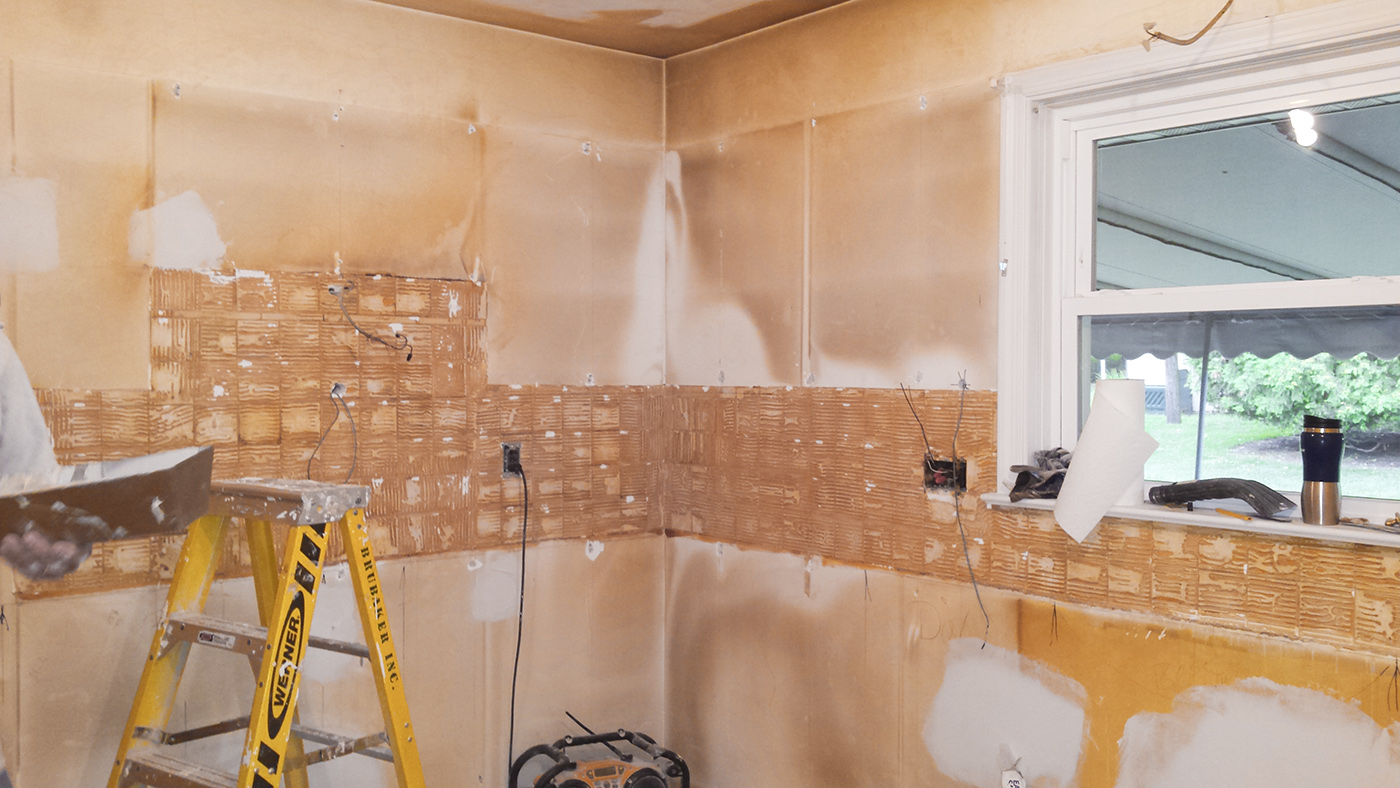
x=514, y=467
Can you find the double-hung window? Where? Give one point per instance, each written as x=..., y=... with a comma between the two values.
x=1222, y=220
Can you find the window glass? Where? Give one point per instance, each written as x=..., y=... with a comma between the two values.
x=1263, y=371
x=1268, y=198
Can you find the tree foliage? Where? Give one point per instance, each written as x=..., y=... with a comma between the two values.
x=1363, y=391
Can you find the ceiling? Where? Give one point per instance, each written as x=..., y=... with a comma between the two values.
x=659, y=28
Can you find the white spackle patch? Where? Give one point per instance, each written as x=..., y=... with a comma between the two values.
x=496, y=589
x=177, y=233
x=28, y=225
x=994, y=702
x=1258, y=732
x=156, y=511
x=592, y=549
x=26, y=446
x=454, y=305
x=474, y=564
x=219, y=391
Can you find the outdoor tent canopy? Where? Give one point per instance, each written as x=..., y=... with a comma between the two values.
x=1342, y=332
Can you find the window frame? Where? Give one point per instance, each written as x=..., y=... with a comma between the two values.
x=1051, y=119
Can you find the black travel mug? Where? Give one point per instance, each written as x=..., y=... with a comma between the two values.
x=1321, y=442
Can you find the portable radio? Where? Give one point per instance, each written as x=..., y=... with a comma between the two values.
x=625, y=771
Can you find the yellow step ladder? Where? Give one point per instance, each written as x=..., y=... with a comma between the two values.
x=273, y=747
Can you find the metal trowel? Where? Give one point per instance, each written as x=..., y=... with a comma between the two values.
x=99, y=501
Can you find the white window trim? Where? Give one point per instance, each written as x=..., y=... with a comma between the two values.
x=1051, y=118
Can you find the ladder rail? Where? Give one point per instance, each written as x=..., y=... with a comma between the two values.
x=279, y=679
x=384, y=661
x=262, y=554
x=160, y=678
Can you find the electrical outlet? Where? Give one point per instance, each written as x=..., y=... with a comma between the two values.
x=510, y=460
x=945, y=474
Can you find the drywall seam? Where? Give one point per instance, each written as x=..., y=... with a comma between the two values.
x=665, y=231
x=14, y=149
x=806, y=339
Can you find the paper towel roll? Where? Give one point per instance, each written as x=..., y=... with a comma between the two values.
x=1130, y=398
x=1108, y=458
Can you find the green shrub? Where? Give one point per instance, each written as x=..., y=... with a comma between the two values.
x=1363, y=391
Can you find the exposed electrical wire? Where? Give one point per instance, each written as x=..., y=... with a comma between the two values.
x=403, y=342
x=1181, y=42
x=354, y=434
x=337, y=402
x=957, y=511
x=520, y=616
x=928, y=450
x=957, y=491
x=1392, y=692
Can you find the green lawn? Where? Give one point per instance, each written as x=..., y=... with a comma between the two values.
x=1175, y=460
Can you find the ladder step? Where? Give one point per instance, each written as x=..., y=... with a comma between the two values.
x=158, y=770
x=242, y=638
x=337, y=745
x=192, y=734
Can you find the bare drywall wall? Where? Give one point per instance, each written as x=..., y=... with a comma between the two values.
x=309, y=156
x=317, y=51
x=870, y=52
x=82, y=324
x=903, y=235
x=601, y=618
x=574, y=260
x=898, y=167
x=784, y=670
x=735, y=246
x=296, y=184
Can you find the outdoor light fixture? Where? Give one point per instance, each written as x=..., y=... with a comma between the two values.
x=1303, y=131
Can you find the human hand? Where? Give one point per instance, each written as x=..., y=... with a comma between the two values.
x=39, y=558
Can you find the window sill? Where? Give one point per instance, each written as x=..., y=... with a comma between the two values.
x=1344, y=534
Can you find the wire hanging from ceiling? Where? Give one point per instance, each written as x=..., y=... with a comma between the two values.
x=1153, y=35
